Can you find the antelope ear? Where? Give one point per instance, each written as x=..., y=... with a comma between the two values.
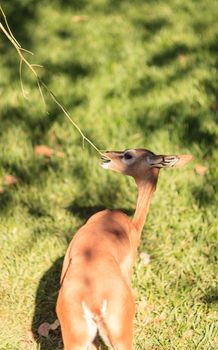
x=183, y=159
x=164, y=161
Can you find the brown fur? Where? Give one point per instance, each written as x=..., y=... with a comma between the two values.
x=98, y=265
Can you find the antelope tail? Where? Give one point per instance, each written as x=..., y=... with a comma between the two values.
x=98, y=317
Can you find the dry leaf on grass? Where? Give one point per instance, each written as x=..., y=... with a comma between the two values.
x=145, y=258
x=200, y=169
x=44, y=329
x=80, y=18
x=2, y=190
x=188, y=334
x=182, y=59
x=146, y=320
x=60, y=154
x=44, y=151
x=214, y=107
x=146, y=309
x=54, y=325
x=144, y=306
x=160, y=318
x=150, y=307
x=10, y=180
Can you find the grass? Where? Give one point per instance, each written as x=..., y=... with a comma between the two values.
x=131, y=74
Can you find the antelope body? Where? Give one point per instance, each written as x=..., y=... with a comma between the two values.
x=95, y=298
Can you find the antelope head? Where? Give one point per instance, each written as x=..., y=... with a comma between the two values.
x=137, y=162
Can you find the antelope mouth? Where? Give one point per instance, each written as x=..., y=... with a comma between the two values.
x=106, y=161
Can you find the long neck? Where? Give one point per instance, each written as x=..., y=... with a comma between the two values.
x=146, y=187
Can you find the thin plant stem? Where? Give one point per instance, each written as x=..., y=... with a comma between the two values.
x=9, y=29
x=40, y=83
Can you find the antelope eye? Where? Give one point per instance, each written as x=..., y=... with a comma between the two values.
x=127, y=156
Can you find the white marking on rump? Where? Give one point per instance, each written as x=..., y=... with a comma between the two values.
x=90, y=318
x=92, y=326
x=104, y=308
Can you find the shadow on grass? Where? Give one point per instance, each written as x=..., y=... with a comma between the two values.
x=35, y=127
x=33, y=172
x=154, y=25
x=169, y=54
x=18, y=14
x=5, y=201
x=45, y=303
x=211, y=297
x=72, y=69
x=150, y=26
x=191, y=128
x=85, y=212
x=74, y=4
x=206, y=194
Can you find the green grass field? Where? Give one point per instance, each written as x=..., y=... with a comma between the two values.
x=131, y=74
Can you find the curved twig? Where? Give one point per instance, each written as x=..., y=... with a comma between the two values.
x=40, y=83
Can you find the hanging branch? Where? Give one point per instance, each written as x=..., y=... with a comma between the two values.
x=40, y=83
